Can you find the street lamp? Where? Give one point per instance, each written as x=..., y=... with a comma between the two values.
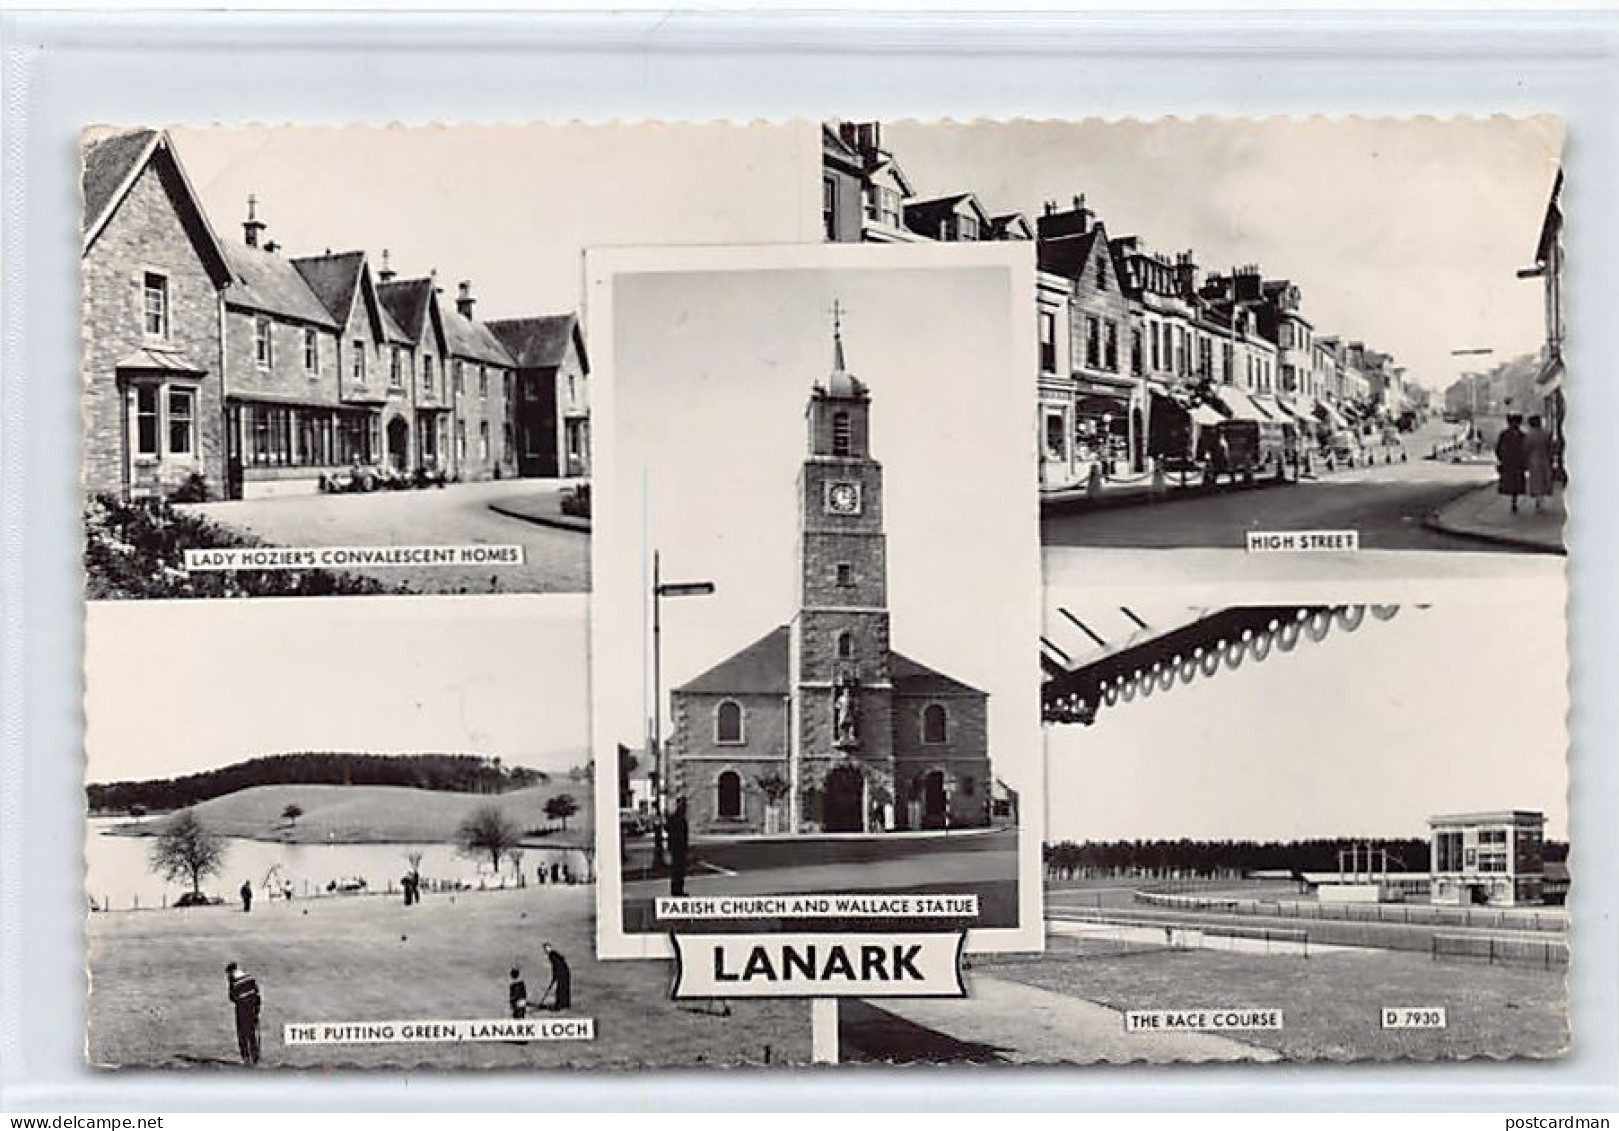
x=1472, y=380
x=660, y=590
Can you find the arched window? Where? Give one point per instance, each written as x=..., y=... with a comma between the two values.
x=728, y=723
x=729, y=789
x=935, y=725
x=845, y=645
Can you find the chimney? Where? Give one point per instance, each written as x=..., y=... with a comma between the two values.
x=1055, y=225
x=1185, y=273
x=387, y=273
x=252, y=226
x=464, y=299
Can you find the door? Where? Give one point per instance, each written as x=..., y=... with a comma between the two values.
x=933, y=812
x=844, y=807
x=398, y=443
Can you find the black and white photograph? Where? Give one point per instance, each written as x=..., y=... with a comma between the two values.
x=363, y=836
x=1349, y=326
x=816, y=559
x=350, y=361
x=1285, y=832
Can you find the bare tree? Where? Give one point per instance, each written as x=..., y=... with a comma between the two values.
x=187, y=850
x=487, y=829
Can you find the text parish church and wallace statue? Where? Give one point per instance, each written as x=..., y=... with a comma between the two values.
x=820, y=725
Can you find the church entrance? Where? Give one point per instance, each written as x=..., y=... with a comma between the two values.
x=844, y=805
x=933, y=801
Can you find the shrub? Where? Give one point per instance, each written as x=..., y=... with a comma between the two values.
x=193, y=490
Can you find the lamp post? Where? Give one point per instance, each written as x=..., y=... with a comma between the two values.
x=1472, y=383
x=660, y=590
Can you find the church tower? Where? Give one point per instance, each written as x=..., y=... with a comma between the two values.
x=842, y=740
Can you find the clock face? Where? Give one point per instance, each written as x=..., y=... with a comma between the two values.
x=843, y=498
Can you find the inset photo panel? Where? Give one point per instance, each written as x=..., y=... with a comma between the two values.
x=1287, y=830
x=818, y=584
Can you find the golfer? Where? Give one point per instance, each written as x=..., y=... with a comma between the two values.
x=561, y=980
x=244, y=996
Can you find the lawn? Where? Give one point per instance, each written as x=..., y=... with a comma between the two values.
x=158, y=986
x=1330, y=1002
x=382, y=814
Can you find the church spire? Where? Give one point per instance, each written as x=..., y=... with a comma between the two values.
x=838, y=365
x=842, y=383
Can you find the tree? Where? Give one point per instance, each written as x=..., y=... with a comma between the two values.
x=487, y=829
x=292, y=812
x=187, y=850
x=561, y=807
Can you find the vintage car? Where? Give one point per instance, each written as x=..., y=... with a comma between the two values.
x=1250, y=449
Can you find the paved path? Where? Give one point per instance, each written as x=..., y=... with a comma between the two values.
x=1486, y=516
x=1012, y=1023
x=555, y=561
x=1387, y=504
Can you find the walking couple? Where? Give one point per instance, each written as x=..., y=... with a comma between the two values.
x=1524, y=461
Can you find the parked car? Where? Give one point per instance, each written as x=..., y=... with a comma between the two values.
x=1249, y=449
x=198, y=899
x=633, y=823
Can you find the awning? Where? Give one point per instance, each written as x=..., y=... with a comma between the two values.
x=165, y=361
x=1331, y=415
x=1204, y=416
x=1241, y=405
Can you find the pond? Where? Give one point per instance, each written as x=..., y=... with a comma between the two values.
x=119, y=876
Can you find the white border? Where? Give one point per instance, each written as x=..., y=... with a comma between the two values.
x=602, y=267
x=62, y=71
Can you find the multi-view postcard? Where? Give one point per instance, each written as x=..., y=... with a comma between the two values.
x=991, y=621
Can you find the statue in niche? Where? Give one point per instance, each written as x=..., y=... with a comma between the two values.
x=845, y=725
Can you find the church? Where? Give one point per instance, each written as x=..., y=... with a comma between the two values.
x=820, y=726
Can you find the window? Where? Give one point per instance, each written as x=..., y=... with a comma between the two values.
x=1227, y=362
x=483, y=383
x=1135, y=350
x=311, y=351
x=573, y=389
x=845, y=575
x=396, y=368
x=182, y=422
x=1111, y=354
x=358, y=364
x=1101, y=274
x=427, y=374
x=507, y=443
x=1157, y=356
x=888, y=202
x=829, y=207
x=460, y=379
x=155, y=299
x=1055, y=434
x=1205, y=358
x=1048, y=342
x=969, y=786
x=262, y=344
x=460, y=439
x=1093, y=341
x=966, y=227
x=729, y=801
x=1448, y=852
x=845, y=646
x=841, y=434
x=935, y=724
x=146, y=420
x=483, y=439
x=728, y=723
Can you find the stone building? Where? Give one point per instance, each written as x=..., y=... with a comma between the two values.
x=1496, y=857
x=229, y=369
x=153, y=270
x=552, y=411
x=820, y=725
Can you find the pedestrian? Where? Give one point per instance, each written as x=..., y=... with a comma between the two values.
x=1537, y=451
x=247, y=895
x=1509, y=460
x=517, y=994
x=244, y=997
x=561, y=987
x=679, y=836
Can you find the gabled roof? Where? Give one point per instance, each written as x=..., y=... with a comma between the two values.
x=1067, y=256
x=335, y=280
x=540, y=342
x=271, y=284
x=471, y=340
x=408, y=302
x=113, y=164
x=759, y=669
x=1011, y=226
x=923, y=216
x=912, y=678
